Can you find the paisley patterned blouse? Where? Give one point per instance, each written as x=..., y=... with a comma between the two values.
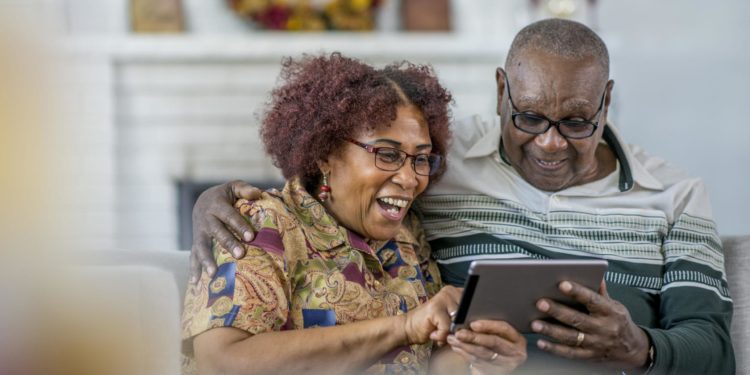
x=303, y=270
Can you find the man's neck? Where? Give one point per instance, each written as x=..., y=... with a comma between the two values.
x=606, y=163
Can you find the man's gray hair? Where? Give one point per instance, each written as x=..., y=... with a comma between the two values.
x=564, y=38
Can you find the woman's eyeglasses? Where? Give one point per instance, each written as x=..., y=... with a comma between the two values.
x=392, y=159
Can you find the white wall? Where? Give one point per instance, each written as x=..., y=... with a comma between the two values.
x=682, y=87
x=679, y=67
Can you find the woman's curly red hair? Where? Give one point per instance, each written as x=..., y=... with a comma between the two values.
x=324, y=99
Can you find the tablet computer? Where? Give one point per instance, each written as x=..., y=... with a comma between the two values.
x=509, y=289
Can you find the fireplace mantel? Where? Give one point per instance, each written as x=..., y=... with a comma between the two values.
x=435, y=47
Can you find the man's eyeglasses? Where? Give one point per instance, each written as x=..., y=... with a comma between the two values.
x=392, y=159
x=537, y=124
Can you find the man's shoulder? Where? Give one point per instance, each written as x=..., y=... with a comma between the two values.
x=682, y=192
x=665, y=172
x=468, y=130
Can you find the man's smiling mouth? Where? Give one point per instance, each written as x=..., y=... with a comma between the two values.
x=550, y=164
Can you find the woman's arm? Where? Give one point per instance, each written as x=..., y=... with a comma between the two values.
x=327, y=350
x=330, y=350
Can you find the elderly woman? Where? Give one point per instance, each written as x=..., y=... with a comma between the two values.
x=338, y=278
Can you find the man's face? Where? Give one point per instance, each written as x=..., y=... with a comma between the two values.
x=558, y=89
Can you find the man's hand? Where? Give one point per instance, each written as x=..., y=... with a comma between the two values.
x=490, y=346
x=214, y=216
x=607, y=334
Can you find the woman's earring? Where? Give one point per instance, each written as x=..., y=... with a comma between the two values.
x=325, y=190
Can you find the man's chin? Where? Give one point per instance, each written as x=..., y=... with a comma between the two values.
x=547, y=185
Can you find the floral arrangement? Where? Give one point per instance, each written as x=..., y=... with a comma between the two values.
x=311, y=15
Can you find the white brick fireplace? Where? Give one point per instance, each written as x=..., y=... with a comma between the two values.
x=184, y=109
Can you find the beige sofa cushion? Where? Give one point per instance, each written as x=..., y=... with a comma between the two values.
x=136, y=319
x=176, y=262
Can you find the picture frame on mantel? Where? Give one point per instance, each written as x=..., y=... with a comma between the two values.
x=157, y=16
x=426, y=15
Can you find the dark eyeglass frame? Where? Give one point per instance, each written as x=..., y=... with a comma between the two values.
x=556, y=124
x=434, y=166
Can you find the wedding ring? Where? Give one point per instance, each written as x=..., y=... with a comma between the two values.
x=452, y=314
x=579, y=339
x=494, y=356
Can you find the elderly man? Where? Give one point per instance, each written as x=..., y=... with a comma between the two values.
x=554, y=180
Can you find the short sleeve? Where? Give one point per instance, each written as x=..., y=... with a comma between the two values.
x=251, y=294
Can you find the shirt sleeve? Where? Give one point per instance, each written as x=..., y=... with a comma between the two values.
x=251, y=294
x=696, y=308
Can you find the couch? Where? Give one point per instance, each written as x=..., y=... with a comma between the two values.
x=737, y=262
x=160, y=278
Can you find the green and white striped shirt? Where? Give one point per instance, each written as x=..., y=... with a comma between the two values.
x=648, y=219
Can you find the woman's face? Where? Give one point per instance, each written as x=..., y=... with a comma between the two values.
x=367, y=199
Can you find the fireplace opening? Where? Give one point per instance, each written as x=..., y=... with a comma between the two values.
x=188, y=192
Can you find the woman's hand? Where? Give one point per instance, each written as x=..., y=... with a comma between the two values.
x=432, y=320
x=214, y=216
x=490, y=346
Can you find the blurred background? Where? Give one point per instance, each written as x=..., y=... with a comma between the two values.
x=160, y=97
x=115, y=114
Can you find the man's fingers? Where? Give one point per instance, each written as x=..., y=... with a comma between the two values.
x=567, y=315
x=594, y=302
x=209, y=264
x=202, y=256
x=566, y=351
x=241, y=189
x=559, y=333
x=226, y=239
x=195, y=267
x=229, y=216
x=603, y=289
x=239, y=225
x=201, y=248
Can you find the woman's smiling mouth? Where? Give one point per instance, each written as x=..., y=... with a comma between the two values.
x=393, y=208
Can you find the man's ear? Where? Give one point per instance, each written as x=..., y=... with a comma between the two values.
x=610, y=86
x=500, y=80
x=608, y=99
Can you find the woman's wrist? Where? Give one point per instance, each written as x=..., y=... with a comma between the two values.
x=400, y=323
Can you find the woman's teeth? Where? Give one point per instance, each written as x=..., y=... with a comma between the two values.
x=393, y=205
x=395, y=202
